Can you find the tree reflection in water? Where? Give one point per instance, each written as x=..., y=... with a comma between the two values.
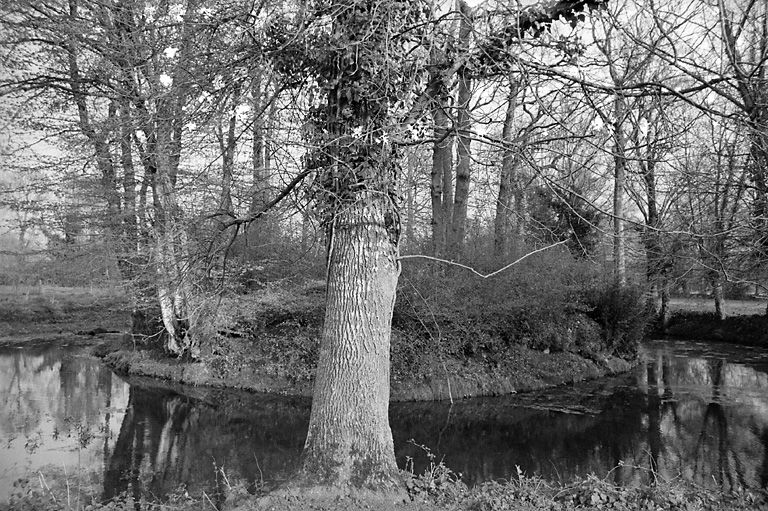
x=698, y=412
x=168, y=439
x=52, y=405
x=703, y=416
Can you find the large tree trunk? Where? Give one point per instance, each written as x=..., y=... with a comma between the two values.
x=349, y=439
x=349, y=442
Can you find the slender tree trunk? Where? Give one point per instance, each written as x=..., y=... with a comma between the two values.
x=441, y=175
x=654, y=259
x=129, y=176
x=505, y=221
x=619, y=179
x=260, y=231
x=521, y=211
x=109, y=181
x=227, y=145
x=410, y=199
x=717, y=295
x=664, y=309
x=259, y=150
x=464, y=141
x=304, y=231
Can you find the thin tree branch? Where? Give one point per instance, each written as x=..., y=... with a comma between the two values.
x=481, y=275
x=283, y=194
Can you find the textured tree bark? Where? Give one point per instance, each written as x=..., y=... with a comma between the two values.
x=349, y=446
x=349, y=441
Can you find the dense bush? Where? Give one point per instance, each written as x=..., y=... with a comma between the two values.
x=548, y=302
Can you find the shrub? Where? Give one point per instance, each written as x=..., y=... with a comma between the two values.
x=538, y=303
x=548, y=302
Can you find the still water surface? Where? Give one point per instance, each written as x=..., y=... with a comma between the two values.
x=694, y=410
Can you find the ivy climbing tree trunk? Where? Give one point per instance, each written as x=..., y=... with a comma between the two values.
x=349, y=442
x=364, y=73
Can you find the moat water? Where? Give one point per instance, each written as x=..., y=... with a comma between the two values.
x=692, y=410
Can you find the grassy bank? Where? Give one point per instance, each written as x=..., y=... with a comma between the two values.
x=268, y=341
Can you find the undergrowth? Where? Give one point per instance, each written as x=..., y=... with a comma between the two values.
x=436, y=487
x=550, y=303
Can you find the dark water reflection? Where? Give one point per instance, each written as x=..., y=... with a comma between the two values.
x=698, y=411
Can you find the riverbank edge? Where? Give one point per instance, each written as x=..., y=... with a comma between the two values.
x=530, y=370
